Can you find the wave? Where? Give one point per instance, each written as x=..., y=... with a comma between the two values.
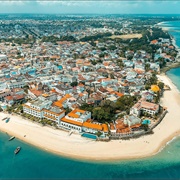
x=167, y=143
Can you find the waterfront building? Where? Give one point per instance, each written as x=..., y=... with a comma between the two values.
x=144, y=106
x=54, y=114
x=35, y=107
x=75, y=119
x=131, y=120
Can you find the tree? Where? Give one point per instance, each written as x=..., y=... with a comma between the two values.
x=68, y=110
x=124, y=103
x=1, y=109
x=157, y=97
x=101, y=55
x=26, y=87
x=101, y=115
x=87, y=107
x=161, y=85
x=112, y=76
x=99, y=133
x=9, y=109
x=147, y=67
x=73, y=84
x=145, y=127
x=147, y=86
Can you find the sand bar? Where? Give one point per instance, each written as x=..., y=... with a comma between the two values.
x=74, y=146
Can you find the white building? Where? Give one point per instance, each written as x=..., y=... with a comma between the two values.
x=3, y=57
x=75, y=119
x=35, y=108
x=131, y=120
x=42, y=109
x=12, y=85
x=144, y=106
x=62, y=89
x=54, y=114
x=80, y=121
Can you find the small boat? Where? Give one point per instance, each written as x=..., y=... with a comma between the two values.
x=7, y=120
x=4, y=118
x=17, y=150
x=11, y=138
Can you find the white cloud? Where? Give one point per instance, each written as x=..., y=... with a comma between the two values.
x=63, y=3
x=12, y=3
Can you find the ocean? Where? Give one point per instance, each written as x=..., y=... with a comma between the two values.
x=33, y=163
x=174, y=30
x=174, y=75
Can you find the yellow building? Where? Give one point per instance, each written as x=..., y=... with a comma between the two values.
x=155, y=88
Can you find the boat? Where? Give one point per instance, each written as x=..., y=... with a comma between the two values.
x=4, y=118
x=11, y=138
x=16, y=151
x=7, y=120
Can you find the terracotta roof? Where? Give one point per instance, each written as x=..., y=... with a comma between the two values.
x=81, y=85
x=45, y=95
x=154, y=41
x=17, y=97
x=61, y=101
x=79, y=61
x=136, y=126
x=147, y=105
x=92, y=126
x=105, y=127
x=112, y=126
x=117, y=93
x=71, y=121
x=36, y=92
x=74, y=113
x=9, y=98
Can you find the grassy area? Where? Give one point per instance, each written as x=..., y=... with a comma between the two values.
x=127, y=36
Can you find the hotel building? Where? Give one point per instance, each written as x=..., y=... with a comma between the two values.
x=80, y=121
x=144, y=106
x=43, y=109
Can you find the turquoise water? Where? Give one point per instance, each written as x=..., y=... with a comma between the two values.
x=146, y=121
x=34, y=163
x=87, y=135
x=174, y=75
x=60, y=67
x=173, y=29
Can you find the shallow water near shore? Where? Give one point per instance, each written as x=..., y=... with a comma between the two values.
x=174, y=75
x=35, y=163
x=173, y=29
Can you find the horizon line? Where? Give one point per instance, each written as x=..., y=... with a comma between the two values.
x=91, y=13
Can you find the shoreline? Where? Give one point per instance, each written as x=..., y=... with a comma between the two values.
x=169, y=67
x=76, y=147
x=173, y=40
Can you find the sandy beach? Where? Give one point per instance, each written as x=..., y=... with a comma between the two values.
x=74, y=146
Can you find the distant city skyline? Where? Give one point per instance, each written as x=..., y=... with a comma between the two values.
x=96, y=7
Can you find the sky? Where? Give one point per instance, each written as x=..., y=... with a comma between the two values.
x=97, y=7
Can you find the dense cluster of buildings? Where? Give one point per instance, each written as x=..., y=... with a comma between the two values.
x=50, y=78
